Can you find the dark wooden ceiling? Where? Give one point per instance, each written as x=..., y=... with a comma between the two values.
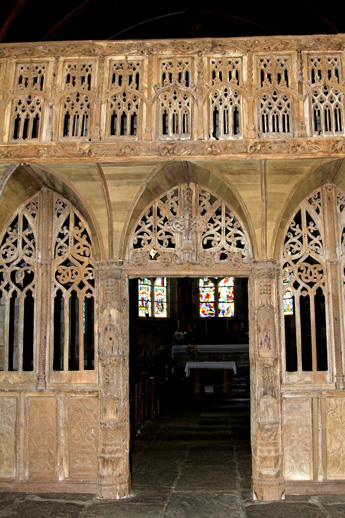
x=37, y=20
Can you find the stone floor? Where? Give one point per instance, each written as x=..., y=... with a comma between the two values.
x=185, y=464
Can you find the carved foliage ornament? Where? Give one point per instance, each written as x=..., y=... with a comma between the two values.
x=188, y=224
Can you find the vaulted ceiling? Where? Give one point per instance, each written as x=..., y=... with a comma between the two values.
x=37, y=20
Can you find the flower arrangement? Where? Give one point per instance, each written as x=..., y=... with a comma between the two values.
x=192, y=350
x=180, y=335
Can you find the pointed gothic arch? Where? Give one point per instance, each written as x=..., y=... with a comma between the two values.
x=176, y=174
x=189, y=225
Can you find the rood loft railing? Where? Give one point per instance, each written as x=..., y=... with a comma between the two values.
x=168, y=91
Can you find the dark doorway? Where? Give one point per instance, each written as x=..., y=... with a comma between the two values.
x=161, y=348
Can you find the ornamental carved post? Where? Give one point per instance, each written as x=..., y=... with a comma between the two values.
x=268, y=481
x=113, y=463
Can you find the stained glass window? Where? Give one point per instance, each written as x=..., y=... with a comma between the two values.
x=144, y=297
x=160, y=297
x=152, y=297
x=207, y=297
x=226, y=304
x=223, y=305
x=288, y=302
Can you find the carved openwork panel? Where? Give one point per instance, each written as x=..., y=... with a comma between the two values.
x=175, y=71
x=303, y=289
x=73, y=290
x=66, y=311
x=41, y=432
x=275, y=98
x=174, y=99
x=188, y=224
x=335, y=446
x=83, y=436
x=76, y=104
x=297, y=439
x=125, y=74
x=326, y=97
x=28, y=102
x=124, y=106
x=175, y=114
x=226, y=70
x=8, y=429
x=225, y=99
x=18, y=274
x=124, y=113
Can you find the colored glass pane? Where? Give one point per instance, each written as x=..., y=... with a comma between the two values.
x=160, y=297
x=144, y=297
x=288, y=302
x=207, y=297
x=226, y=305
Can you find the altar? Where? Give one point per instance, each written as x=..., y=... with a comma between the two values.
x=223, y=365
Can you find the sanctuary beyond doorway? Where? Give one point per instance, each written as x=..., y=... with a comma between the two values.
x=197, y=352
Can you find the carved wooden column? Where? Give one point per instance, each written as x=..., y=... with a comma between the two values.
x=334, y=281
x=113, y=473
x=268, y=481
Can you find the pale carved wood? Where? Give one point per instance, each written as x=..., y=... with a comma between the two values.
x=113, y=458
x=82, y=422
x=8, y=435
x=266, y=432
x=64, y=102
x=334, y=437
x=297, y=425
x=257, y=89
x=41, y=439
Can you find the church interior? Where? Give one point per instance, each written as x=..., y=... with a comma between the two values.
x=172, y=237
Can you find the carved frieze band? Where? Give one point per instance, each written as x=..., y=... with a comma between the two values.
x=334, y=42
x=308, y=147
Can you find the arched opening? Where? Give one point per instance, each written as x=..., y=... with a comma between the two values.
x=189, y=345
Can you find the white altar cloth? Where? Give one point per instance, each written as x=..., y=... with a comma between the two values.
x=209, y=365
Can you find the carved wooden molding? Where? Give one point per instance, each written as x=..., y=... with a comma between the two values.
x=258, y=148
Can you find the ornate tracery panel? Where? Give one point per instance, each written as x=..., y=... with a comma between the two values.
x=77, y=101
x=124, y=106
x=58, y=252
x=275, y=97
x=18, y=277
x=326, y=99
x=174, y=99
x=225, y=98
x=28, y=103
x=304, y=290
x=189, y=224
x=73, y=290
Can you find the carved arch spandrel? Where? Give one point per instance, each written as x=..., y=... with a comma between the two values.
x=331, y=172
x=173, y=174
x=188, y=227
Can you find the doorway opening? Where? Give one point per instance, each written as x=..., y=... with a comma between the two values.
x=189, y=353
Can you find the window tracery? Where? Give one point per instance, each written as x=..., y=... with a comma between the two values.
x=325, y=96
x=225, y=98
x=304, y=292
x=73, y=291
x=188, y=223
x=28, y=103
x=71, y=300
x=76, y=104
x=124, y=106
x=18, y=277
x=174, y=99
x=275, y=98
